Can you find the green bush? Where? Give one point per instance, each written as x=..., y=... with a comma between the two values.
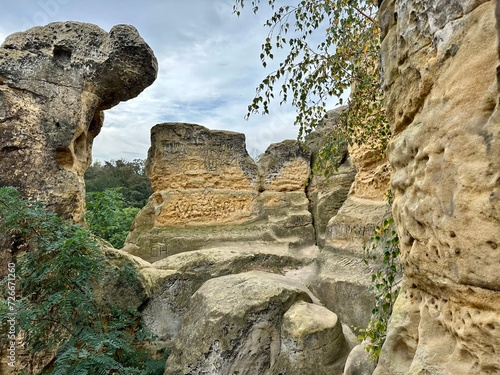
x=108, y=216
x=58, y=268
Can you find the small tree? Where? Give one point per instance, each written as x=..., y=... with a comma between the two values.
x=332, y=49
x=58, y=267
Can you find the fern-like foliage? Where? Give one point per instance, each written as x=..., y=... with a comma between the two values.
x=58, y=267
x=385, y=283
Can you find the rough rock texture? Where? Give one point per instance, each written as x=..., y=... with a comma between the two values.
x=239, y=320
x=358, y=362
x=362, y=181
x=184, y=273
x=354, y=224
x=440, y=61
x=207, y=190
x=55, y=81
x=342, y=284
x=327, y=194
x=312, y=342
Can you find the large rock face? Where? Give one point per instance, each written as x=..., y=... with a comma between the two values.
x=207, y=190
x=440, y=61
x=184, y=273
x=55, y=81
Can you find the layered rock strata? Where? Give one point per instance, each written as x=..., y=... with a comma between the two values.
x=207, y=190
x=55, y=81
x=440, y=63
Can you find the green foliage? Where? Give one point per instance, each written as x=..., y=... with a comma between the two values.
x=332, y=47
x=130, y=176
x=385, y=282
x=58, y=267
x=108, y=217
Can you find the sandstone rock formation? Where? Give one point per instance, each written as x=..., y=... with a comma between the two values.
x=240, y=331
x=344, y=225
x=207, y=190
x=359, y=362
x=312, y=342
x=181, y=275
x=55, y=81
x=440, y=63
x=327, y=194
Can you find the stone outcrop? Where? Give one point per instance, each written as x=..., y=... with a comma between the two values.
x=327, y=194
x=207, y=191
x=312, y=342
x=346, y=208
x=55, y=81
x=440, y=63
x=181, y=275
x=247, y=324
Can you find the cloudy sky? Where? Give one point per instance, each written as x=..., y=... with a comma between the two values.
x=208, y=67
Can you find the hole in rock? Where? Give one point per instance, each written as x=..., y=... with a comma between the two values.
x=492, y=244
x=65, y=158
x=8, y=149
x=81, y=146
x=62, y=53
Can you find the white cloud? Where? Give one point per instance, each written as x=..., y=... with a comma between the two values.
x=208, y=68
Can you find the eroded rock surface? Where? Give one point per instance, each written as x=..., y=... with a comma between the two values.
x=440, y=62
x=207, y=191
x=55, y=81
x=328, y=193
x=312, y=342
x=181, y=275
x=240, y=330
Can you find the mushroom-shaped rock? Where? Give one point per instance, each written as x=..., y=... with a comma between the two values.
x=55, y=81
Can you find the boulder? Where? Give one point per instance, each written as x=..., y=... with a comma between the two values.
x=55, y=82
x=440, y=76
x=359, y=361
x=181, y=275
x=312, y=342
x=233, y=325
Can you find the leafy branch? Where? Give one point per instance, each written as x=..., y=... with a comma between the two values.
x=332, y=50
x=385, y=283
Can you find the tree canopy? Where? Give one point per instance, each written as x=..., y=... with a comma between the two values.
x=129, y=176
x=332, y=49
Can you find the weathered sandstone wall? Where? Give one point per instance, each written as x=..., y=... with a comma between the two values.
x=55, y=81
x=440, y=73
x=207, y=190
